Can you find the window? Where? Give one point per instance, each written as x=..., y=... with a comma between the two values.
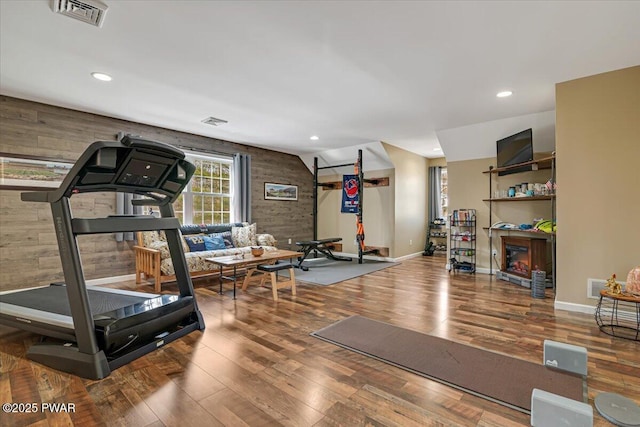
x=207, y=199
x=444, y=198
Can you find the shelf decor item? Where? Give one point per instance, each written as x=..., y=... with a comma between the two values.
x=614, y=287
x=633, y=281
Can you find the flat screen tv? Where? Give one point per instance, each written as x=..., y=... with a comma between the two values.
x=515, y=149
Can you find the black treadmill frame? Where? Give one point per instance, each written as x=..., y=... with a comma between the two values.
x=85, y=358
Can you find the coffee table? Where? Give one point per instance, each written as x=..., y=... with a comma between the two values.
x=248, y=260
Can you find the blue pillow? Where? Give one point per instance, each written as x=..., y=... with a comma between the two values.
x=196, y=243
x=214, y=243
x=226, y=236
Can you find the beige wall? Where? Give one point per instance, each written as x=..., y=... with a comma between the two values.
x=467, y=187
x=411, y=196
x=598, y=152
x=439, y=161
x=377, y=214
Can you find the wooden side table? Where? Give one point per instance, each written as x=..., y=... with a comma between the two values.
x=618, y=315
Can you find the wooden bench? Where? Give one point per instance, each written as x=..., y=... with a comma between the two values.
x=272, y=270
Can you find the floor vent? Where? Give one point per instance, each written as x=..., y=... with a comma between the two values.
x=214, y=121
x=594, y=286
x=89, y=11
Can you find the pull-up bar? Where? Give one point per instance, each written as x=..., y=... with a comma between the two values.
x=335, y=166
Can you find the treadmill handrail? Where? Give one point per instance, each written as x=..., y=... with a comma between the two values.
x=36, y=196
x=152, y=145
x=122, y=224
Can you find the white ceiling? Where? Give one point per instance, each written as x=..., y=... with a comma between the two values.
x=280, y=71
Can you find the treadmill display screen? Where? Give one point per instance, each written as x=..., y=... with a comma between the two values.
x=142, y=173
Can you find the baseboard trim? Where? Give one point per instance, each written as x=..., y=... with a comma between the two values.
x=409, y=256
x=108, y=280
x=570, y=306
x=379, y=258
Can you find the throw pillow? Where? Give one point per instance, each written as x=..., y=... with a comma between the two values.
x=266, y=240
x=226, y=237
x=162, y=237
x=244, y=236
x=163, y=247
x=214, y=243
x=196, y=243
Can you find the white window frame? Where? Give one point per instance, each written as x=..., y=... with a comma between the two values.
x=187, y=194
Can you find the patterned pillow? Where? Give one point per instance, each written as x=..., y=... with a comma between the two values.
x=196, y=243
x=226, y=237
x=266, y=240
x=163, y=247
x=149, y=237
x=162, y=237
x=214, y=243
x=244, y=236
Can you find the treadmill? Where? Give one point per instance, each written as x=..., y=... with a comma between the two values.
x=97, y=330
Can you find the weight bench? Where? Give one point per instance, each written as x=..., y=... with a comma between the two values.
x=323, y=246
x=272, y=270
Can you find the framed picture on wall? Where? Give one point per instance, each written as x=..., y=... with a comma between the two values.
x=280, y=191
x=22, y=172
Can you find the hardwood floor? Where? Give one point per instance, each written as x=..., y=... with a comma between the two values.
x=256, y=365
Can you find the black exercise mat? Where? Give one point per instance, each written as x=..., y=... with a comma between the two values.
x=493, y=376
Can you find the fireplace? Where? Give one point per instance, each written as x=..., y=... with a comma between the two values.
x=521, y=255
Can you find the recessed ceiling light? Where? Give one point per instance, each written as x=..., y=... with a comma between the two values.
x=437, y=149
x=314, y=138
x=102, y=77
x=504, y=94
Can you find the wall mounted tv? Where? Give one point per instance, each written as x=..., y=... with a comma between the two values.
x=515, y=149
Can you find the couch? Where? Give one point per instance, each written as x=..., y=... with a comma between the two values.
x=199, y=242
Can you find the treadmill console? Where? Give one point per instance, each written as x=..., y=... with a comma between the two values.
x=158, y=171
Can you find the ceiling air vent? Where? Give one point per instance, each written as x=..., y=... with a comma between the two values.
x=214, y=122
x=89, y=11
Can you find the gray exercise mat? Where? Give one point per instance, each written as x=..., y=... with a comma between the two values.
x=493, y=376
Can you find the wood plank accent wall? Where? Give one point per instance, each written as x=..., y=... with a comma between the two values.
x=28, y=247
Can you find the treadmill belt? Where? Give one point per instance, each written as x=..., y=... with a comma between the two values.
x=53, y=299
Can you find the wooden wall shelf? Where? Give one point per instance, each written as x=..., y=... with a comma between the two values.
x=520, y=199
x=542, y=234
x=369, y=182
x=544, y=163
